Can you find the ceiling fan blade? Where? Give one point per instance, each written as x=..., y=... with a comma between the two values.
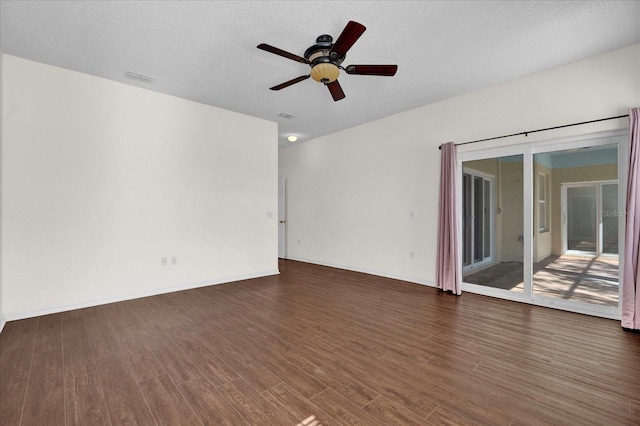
x=385, y=70
x=336, y=90
x=290, y=82
x=271, y=49
x=349, y=36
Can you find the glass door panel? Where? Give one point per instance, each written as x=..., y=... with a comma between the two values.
x=581, y=208
x=493, y=249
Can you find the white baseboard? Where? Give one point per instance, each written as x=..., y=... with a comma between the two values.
x=23, y=315
x=366, y=271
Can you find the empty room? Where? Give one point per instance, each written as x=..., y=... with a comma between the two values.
x=315, y=213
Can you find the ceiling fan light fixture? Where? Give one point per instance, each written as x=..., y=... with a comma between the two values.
x=325, y=59
x=325, y=72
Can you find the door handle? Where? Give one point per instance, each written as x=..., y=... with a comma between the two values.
x=283, y=221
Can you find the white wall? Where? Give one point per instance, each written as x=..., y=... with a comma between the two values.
x=102, y=179
x=351, y=194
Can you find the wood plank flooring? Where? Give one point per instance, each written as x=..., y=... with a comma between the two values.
x=318, y=344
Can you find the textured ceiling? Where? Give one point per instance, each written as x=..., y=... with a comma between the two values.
x=206, y=51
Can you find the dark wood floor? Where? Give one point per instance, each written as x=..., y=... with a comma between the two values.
x=344, y=347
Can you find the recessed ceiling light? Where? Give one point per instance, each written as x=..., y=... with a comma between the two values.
x=285, y=115
x=292, y=138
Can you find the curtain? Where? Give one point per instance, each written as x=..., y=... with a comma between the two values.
x=631, y=273
x=447, y=269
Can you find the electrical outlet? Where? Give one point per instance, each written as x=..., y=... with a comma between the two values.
x=298, y=242
x=163, y=261
x=411, y=254
x=411, y=214
x=174, y=260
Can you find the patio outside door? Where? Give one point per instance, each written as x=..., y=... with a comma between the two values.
x=590, y=219
x=477, y=206
x=580, y=219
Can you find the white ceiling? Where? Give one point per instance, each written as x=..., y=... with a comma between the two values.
x=206, y=51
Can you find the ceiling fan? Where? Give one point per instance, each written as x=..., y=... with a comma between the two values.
x=325, y=59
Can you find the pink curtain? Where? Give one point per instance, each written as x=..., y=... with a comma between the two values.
x=447, y=268
x=631, y=273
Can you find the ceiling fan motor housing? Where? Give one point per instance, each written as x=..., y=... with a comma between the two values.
x=325, y=66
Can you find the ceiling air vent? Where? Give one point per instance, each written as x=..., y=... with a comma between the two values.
x=139, y=77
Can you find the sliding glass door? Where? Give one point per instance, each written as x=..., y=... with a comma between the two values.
x=477, y=227
x=540, y=223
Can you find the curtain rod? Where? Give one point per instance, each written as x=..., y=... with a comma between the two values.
x=540, y=130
